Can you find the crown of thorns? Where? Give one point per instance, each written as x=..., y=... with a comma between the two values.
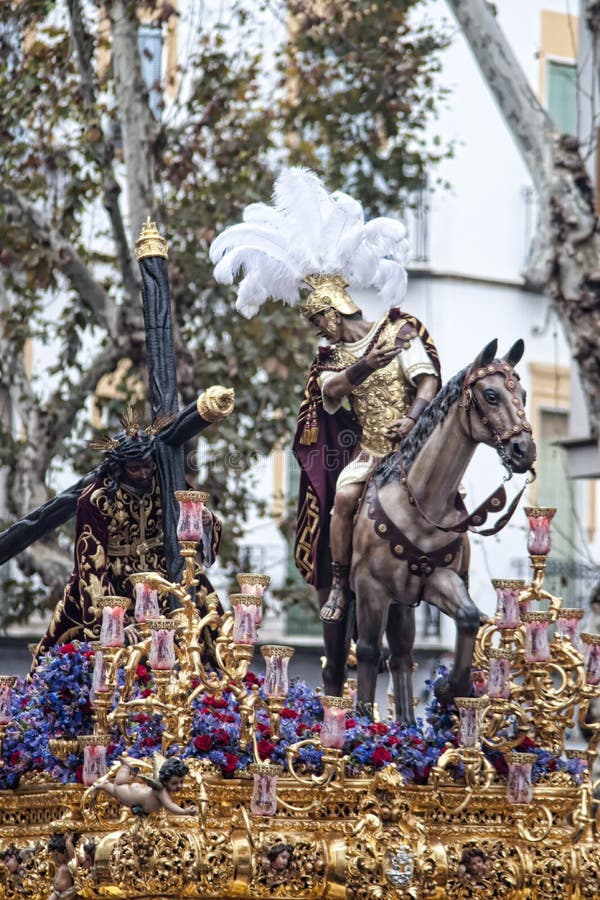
x=131, y=428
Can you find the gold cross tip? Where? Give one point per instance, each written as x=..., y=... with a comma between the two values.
x=150, y=242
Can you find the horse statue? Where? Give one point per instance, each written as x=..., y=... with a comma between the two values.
x=409, y=540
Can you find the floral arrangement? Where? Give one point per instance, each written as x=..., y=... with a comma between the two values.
x=55, y=703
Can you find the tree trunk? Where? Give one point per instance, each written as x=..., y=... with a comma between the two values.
x=565, y=262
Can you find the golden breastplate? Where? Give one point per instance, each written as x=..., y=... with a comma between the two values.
x=383, y=398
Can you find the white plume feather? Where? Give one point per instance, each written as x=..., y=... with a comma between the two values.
x=308, y=231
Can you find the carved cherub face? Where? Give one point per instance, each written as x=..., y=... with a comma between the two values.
x=173, y=784
x=282, y=860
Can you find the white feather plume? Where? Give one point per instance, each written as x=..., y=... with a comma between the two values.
x=309, y=231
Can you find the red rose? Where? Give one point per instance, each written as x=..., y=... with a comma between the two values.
x=417, y=742
x=262, y=728
x=146, y=693
x=381, y=756
x=79, y=774
x=225, y=717
x=350, y=723
x=142, y=718
x=287, y=713
x=14, y=757
x=148, y=742
x=220, y=736
x=230, y=763
x=216, y=702
x=265, y=748
x=378, y=728
x=202, y=742
x=527, y=744
x=393, y=740
x=251, y=680
x=141, y=673
x=67, y=648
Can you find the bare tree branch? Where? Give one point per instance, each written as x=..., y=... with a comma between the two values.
x=101, y=150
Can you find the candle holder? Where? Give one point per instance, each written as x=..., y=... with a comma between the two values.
x=191, y=504
x=277, y=658
x=146, y=598
x=539, y=542
x=567, y=626
x=591, y=654
x=264, y=794
x=499, y=678
x=471, y=711
x=99, y=677
x=94, y=756
x=246, y=613
x=112, y=632
x=508, y=613
x=162, y=646
x=519, y=787
x=333, y=731
x=537, y=645
x=62, y=748
x=252, y=583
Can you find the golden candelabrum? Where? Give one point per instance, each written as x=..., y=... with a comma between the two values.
x=484, y=824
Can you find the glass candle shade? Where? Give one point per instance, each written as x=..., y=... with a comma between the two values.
x=519, y=788
x=538, y=539
x=591, y=655
x=470, y=710
x=191, y=504
x=246, y=616
x=333, y=730
x=146, y=598
x=508, y=614
x=252, y=583
x=264, y=793
x=162, y=644
x=112, y=632
x=277, y=659
x=6, y=685
x=537, y=646
x=94, y=757
x=99, y=682
x=567, y=625
x=350, y=687
x=499, y=678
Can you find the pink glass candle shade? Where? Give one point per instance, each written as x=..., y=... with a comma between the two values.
x=333, y=730
x=537, y=645
x=538, y=539
x=276, y=659
x=6, y=684
x=471, y=711
x=99, y=682
x=519, y=788
x=508, y=614
x=94, y=757
x=499, y=677
x=264, y=794
x=146, y=599
x=191, y=504
x=246, y=617
x=112, y=632
x=162, y=646
x=253, y=583
x=567, y=625
x=591, y=655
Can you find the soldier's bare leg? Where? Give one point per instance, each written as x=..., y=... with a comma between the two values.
x=340, y=542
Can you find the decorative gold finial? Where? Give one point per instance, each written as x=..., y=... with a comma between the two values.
x=150, y=242
x=216, y=403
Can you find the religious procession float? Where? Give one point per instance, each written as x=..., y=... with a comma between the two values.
x=150, y=761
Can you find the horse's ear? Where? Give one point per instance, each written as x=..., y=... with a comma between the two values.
x=515, y=353
x=487, y=355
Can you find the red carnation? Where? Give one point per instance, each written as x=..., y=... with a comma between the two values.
x=67, y=648
x=393, y=740
x=202, y=742
x=262, y=728
x=216, y=702
x=230, y=763
x=287, y=713
x=220, y=736
x=350, y=723
x=381, y=756
x=265, y=748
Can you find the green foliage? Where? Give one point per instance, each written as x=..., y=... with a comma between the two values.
x=347, y=90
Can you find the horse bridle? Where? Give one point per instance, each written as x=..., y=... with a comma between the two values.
x=511, y=381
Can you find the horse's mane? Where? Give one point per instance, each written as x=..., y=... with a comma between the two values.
x=389, y=468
